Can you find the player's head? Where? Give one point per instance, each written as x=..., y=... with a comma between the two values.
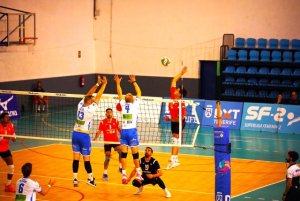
x=88, y=100
x=129, y=98
x=180, y=92
x=26, y=169
x=109, y=113
x=39, y=84
x=148, y=151
x=294, y=95
x=292, y=156
x=4, y=117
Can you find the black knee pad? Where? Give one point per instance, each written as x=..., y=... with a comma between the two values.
x=136, y=183
x=135, y=156
x=124, y=155
x=75, y=165
x=88, y=167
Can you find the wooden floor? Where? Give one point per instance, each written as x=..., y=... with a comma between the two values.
x=192, y=180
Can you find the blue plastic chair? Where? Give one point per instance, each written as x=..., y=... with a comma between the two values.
x=263, y=71
x=284, y=43
x=240, y=92
x=263, y=93
x=296, y=72
x=240, y=42
x=251, y=42
x=273, y=43
x=296, y=83
x=274, y=83
x=251, y=93
x=263, y=82
x=229, y=80
x=229, y=92
x=265, y=55
x=295, y=44
x=231, y=55
x=240, y=70
x=286, y=83
x=229, y=69
x=262, y=43
x=254, y=55
x=286, y=71
x=275, y=71
x=252, y=81
x=287, y=56
x=240, y=81
x=252, y=70
x=297, y=57
x=273, y=94
x=242, y=54
x=276, y=56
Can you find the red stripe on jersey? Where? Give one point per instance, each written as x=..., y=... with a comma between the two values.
x=8, y=130
x=109, y=129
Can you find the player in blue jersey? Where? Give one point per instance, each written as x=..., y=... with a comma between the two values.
x=81, y=142
x=129, y=136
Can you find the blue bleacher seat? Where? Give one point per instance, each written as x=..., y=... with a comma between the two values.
x=242, y=55
x=276, y=56
x=273, y=94
x=251, y=42
x=295, y=44
x=297, y=57
x=263, y=82
x=273, y=43
x=231, y=55
x=286, y=83
x=252, y=81
x=275, y=71
x=240, y=42
x=274, y=83
x=240, y=81
x=265, y=55
x=251, y=93
x=296, y=83
x=296, y=72
x=284, y=43
x=252, y=70
x=229, y=92
x=287, y=56
x=262, y=43
x=263, y=93
x=229, y=80
x=286, y=71
x=240, y=70
x=263, y=71
x=229, y=69
x=240, y=92
x=254, y=55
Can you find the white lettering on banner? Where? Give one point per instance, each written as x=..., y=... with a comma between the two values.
x=278, y=116
x=254, y=115
x=208, y=111
x=226, y=122
x=227, y=197
x=219, y=196
x=224, y=111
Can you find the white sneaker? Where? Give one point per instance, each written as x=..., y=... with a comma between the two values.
x=169, y=166
x=175, y=164
x=140, y=190
x=168, y=194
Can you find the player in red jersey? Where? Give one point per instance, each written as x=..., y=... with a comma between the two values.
x=110, y=128
x=7, y=128
x=176, y=94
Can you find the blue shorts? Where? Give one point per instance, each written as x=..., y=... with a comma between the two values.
x=129, y=137
x=81, y=143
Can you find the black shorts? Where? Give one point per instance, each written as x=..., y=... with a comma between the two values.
x=5, y=154
x=175, y=126
x=107, y=147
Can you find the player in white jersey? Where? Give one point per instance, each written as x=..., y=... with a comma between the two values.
x=129, y=136
x=81, y=142
x=26, y=188
x=292, y=186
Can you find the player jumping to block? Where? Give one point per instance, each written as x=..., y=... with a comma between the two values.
x=129, y=136
x=110, y=128
x=81, y=142
x=176, y=94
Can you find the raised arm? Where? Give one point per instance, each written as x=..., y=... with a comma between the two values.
x=137, y=89
x=46, y=190
x=178, y=76
x=118, y=85
x=101, y=90
x=94, y=88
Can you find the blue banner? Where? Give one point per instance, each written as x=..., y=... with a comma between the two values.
x=9, y=104
x=231, y=114
x=271, y=117
x=194, y=110
x=222, y=164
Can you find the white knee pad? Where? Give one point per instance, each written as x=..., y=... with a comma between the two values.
x=175, y=141
x=11, y=169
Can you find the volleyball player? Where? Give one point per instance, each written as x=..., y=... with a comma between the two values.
x=27, y=188
x=151, y=173
x=81, y=142
x=292, y=186
x=176, y=94
x=129, y=136
x=110, y=128
x=7, y=128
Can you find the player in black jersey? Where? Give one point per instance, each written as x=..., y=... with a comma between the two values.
x=151, y=173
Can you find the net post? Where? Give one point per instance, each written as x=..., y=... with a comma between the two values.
x=180, y=122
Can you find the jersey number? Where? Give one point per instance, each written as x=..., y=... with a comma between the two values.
x=80, y=115
x=127, y=108
x=21, y=187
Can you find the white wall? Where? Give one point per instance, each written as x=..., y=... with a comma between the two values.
x=142, y=32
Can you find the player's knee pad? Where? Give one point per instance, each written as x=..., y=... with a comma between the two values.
x=124, y=155
x=107, y=159
x=175, y=141
x=88, y=167
x=11, y=169
x=135, y=156
x=136, y=183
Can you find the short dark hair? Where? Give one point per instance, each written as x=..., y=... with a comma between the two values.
x=88, y=97
x=183, y=91
x=150, y=149
x=26, y=169
x=294, y=155
x=3, y=114
x=108, y=109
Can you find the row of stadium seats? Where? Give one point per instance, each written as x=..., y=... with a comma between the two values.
x=253, y=93
x=264, y=43
x=253, y=70
x=264, y=55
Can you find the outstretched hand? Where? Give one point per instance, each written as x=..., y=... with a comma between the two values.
x=51, y=182
x=99, y=80
x=104, y=80
x=132, y=79
x=117, y=79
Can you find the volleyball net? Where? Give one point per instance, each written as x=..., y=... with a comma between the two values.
x=58, y=119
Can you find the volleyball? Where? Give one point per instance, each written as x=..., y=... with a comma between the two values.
x=165, y=61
